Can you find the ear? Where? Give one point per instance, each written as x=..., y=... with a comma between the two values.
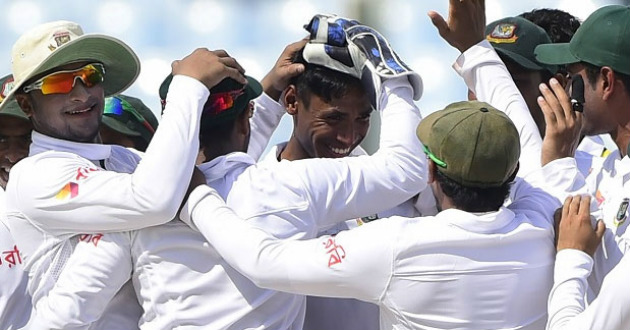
x=291, y=100
x=25, y=103
x=608, y=82
x=432, y=170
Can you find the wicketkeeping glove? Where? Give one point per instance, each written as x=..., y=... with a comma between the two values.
x=358, y=50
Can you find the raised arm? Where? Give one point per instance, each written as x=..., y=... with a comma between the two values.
x=268, y=111
x=69, y=194
x=485, y=74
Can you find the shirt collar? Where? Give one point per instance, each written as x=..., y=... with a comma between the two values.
x=90, y=151
x=479, y=223
x=220, y=166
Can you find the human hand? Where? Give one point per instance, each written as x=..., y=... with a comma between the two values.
x=209, y=67
x=563, y=124
x=278, y=78
x=466, y=23
x=575, y=230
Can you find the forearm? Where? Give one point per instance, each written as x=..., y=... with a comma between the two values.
x=485, y=74
x=267, y=116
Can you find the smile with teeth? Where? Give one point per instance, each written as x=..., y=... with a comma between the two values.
x=340, y=151
x=79, y=111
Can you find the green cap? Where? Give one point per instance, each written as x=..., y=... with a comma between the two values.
x=11, y=108
x=602, y=40
x=472, y=143
x=129, y=116
x=516, y=38
x=227, y=100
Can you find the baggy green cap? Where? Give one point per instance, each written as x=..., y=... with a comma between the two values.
x=602, y=40
x=472, y=143
x=231, y=89
x=516, y=38
x=11, y=108
x=130, y=116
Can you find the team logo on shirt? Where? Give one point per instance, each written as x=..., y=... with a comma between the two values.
x=599, y=197
x=69, y=191
x=503, y=34
x=335, y=252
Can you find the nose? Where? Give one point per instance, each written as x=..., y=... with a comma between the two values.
x=347, y=134
x=79, y=92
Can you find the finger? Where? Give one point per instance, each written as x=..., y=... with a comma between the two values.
x=236, y=75
x=295, y=69
x=553, y=102
x=296, y=46
x=574, y=206
x=585, y=207
x=548, y=114
x=439, y=22
x=565, y=206
x=232, y=63
x=600, y=229
x=221, y=53
x=562, y=97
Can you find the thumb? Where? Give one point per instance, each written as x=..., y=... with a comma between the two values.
x=439, y=22
x=295, y=69
x=599, y=231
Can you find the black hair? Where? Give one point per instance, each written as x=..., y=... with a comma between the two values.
x=472, y=199
x=592, y=72
x=217, y=134
x=328, y=84
x=559, y=25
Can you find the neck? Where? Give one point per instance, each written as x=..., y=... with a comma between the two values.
x=293, y=150
x=621, y=136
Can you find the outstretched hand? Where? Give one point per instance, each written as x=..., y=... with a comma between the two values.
x=278, y=78
x=466, y=23
x=575, y=230
x=563, y=124
x=209, y=67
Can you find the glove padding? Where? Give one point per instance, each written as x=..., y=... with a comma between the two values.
x=358, y=50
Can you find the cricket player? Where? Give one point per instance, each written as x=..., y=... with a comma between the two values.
x=69, y=185
x=127, y=122
x=606, y=93
x=15, y=138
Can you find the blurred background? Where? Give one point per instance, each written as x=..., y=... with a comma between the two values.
x=256, y=31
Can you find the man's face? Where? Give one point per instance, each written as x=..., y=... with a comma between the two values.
x=332, y=130
x=75, y=116
x=596, y=120
x=15, y=139
x=527, y=82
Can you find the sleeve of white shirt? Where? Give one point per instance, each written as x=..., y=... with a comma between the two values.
x=340, y=266
x=351, y=187
x=267, y=116
x=99, y=266
x=486, y=75
x=58, y=199
x=611, y=308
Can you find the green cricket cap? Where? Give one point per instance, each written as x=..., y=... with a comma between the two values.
x=516, y=38
x=11, y=108
x=602, y=40
x=471, y=143
x=227, y=100
x=130, y=116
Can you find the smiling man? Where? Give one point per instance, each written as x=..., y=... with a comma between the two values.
x=70, y=185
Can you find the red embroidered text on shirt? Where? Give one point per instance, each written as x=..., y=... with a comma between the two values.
x=82, y=172
x=91, y=238
x=336, y=252
x=12, y=257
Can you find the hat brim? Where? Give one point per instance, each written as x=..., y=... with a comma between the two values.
x=122, y=66
x=555, y=54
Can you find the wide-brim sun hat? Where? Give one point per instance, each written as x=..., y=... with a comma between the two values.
x=59, y=43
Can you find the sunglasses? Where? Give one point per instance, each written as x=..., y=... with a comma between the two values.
x=62, y=82
x=220, y=102
x=115, y=106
